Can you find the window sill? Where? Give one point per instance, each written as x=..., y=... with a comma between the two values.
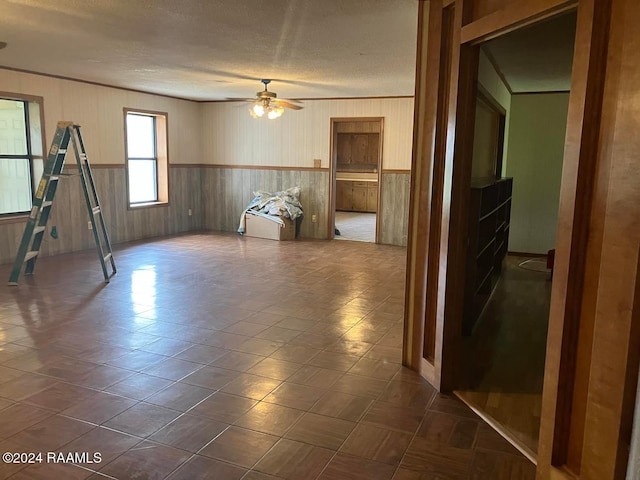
x=14, y=219
x=138, y=206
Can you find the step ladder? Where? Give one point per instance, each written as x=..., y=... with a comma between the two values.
x=36, y=227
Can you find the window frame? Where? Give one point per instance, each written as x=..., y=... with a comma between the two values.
x=30, y=101
x=161, y=157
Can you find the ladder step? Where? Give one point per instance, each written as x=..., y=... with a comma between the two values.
x=62, y=151
x=107, y=257
x=53, y=179
x=30, y=255
x=96, y=210
x=47, y=203
x=37, y=230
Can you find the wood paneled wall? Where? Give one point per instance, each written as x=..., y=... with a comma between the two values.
x=230, y=136
x=226, y=191
x=216, y=195
x=69, y=213
x=358, y=127
x=394, y=214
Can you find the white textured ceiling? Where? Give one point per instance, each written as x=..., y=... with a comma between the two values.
x=218, y=49
x=538, y=58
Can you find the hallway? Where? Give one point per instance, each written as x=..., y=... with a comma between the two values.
x=217, y=356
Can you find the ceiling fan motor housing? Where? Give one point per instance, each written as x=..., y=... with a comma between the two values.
x=265, y=94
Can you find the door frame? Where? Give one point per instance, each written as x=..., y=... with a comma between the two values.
x=333, y=152
x=449, y=35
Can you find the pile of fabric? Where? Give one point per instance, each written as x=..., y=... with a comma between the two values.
x=285, y=204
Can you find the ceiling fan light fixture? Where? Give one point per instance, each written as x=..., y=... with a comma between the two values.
x=275, y=112
x=267, y=103
x=272, y=112
x=257, y=111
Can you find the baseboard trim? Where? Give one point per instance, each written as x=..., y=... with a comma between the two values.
x=525, y=254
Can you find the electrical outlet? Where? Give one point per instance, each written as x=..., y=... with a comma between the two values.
x=190, y=212
x=314, y=218
x=89, y=226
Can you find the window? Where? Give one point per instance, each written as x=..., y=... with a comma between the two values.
x=21, y=146
x=146, y=148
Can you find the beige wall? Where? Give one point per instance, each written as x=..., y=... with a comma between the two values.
x=230, y=136
x=485, y=137
x=99, y=110
x=495, y=87
x=536, y=150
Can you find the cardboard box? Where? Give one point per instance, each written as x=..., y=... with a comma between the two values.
x=261, y=227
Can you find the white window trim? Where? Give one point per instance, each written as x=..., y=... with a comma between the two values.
x=162, y=156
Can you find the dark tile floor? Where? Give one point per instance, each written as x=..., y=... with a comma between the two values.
x=217, y=357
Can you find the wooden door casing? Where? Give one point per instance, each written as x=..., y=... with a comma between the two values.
x=592, y=350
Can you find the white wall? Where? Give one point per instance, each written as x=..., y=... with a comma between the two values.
x=230, y=136
x=99, y=111
x=536, y=150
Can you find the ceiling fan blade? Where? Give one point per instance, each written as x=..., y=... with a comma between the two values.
x=287, y=104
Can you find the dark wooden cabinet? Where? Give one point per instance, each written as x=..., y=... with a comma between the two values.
x=343, y=195
x=357, y=152
x=352, y=196
x=489, y=220
x=372, y=197
x=359, y=192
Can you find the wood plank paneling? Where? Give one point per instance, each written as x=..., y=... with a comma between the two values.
x=227, y=191
x=358, y=127
x=394, y=214
x=69, y=214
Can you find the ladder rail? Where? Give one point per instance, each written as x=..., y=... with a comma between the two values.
x=78, y=147
x=83, y=161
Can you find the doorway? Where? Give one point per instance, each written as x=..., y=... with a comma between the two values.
x=513, y=215
x=356, y=164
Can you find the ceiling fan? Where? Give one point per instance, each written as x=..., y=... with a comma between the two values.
x=267, y=103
